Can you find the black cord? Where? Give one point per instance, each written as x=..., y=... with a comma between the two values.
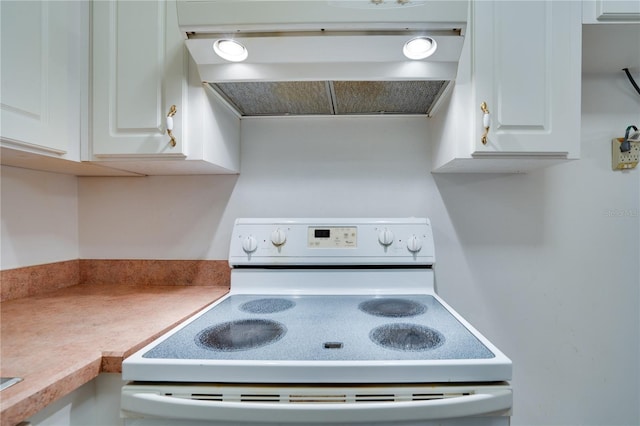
x=633, y=82
x=625, y=146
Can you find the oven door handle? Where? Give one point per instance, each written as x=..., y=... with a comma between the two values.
x=149, y=404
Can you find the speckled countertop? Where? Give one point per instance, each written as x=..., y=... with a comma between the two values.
x=60, y=340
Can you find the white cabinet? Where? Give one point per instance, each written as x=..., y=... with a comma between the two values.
x=522, y=59
x=140, y=70
x=42, y=77
x=527, y=59
x=45, y=80
x=96, y=403
x=611, y=11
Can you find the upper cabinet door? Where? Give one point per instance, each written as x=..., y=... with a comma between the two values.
x=139, y=72
x=526, y=67
x=42, y=75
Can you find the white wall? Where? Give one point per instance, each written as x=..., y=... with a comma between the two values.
x=39, y=217
x=289, y=167
x=163, y=217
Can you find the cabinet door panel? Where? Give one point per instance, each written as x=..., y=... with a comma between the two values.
x=138, y=61
x=138, y=73
x=40, y=89
x=517, y=80
x=527, y=68
x=22, y=66
x=620, y=10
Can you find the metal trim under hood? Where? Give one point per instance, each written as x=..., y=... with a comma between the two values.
x=326, y=57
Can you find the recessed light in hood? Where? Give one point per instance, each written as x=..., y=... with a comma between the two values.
x=230, y=50
x=419, y=48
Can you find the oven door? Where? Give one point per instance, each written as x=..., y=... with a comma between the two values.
x=223, y=404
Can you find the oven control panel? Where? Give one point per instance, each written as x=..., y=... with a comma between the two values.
x=332, y=237
x=282, y=242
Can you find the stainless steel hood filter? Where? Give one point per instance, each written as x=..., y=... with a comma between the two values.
x=331, y=97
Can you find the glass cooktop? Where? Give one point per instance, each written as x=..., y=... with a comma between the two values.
x=300, y=328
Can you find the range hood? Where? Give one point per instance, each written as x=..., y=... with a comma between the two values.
x=313, y=57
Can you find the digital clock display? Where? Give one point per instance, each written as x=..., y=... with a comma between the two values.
x=332, y=237
x=322, y=233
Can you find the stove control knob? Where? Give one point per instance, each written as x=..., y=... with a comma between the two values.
x=414, y=244
x=249, y=244
x=278, y=237
x=385, y=237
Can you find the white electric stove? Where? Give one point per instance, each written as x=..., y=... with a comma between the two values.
x=328, y=321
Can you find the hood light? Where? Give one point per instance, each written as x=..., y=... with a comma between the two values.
x=419, y=48
x=230, y=50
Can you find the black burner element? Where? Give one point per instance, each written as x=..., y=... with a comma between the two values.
x=406, y=337
x=240, y=335
x=267, y=306
x=392, y=308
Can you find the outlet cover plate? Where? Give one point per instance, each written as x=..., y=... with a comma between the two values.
x=624, y=160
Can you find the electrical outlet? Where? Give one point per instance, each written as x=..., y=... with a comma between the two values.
x=624, y=160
